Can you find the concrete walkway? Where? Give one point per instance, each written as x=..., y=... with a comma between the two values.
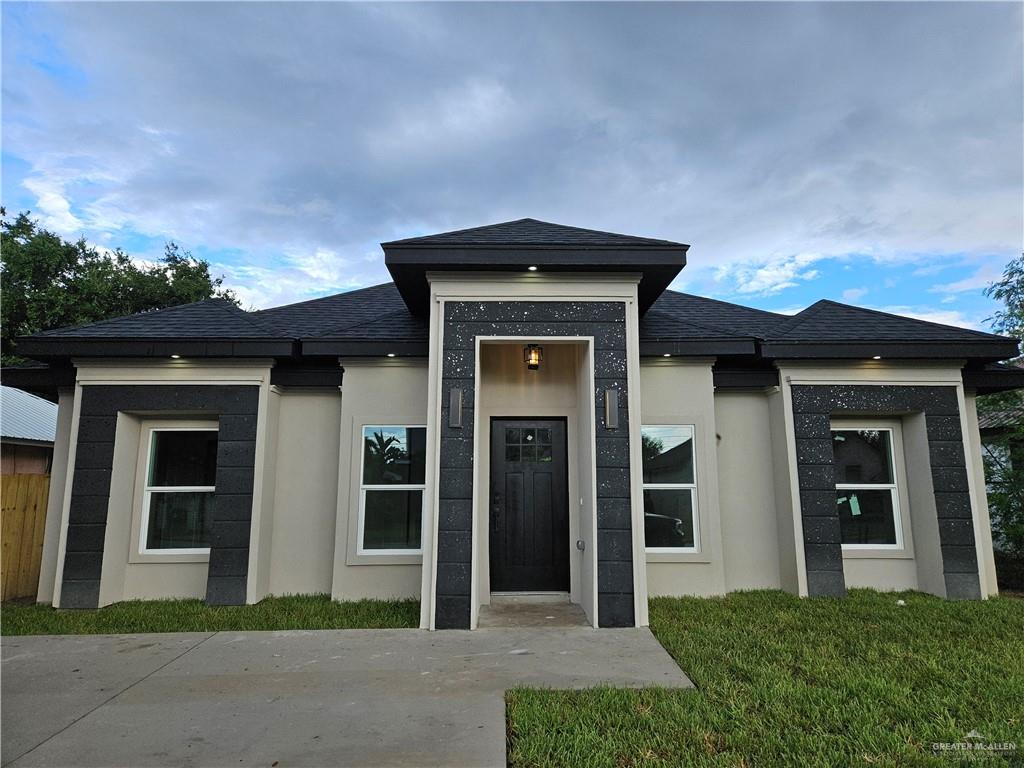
x=326, y=698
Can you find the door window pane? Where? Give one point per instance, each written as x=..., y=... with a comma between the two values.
x=668, y=517
x=183, y=457
x=667, y=454
x=866, y=516
x=863, y=456
x=179, y=519
x=392, y=519
x=394, y=455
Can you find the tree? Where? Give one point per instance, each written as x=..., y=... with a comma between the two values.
x=1004, y=453
x=48, y=282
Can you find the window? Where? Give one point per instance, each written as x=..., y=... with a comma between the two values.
x=670, y=490
x=178, y=495
x=391, y=492
x=866, y=491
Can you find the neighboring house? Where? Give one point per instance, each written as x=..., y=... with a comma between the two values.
x=525, y=408
x=28, y=425
x=996, y=427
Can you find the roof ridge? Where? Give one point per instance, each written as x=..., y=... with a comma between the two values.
x=323, y=298
x=260, y=323
x=726, y=303
x=795, y=320
x=376, y=319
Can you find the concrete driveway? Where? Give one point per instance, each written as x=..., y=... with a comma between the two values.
x=325, y=698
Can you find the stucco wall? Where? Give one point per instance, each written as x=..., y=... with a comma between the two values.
x=746, y=491
x=373, y=392
x=126, y=575
x=305, y=492
x=55, y=501
x=682, y=392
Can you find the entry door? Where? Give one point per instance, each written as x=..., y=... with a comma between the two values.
x=529, y=506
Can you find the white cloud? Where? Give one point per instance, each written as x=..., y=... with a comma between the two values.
x=979, y=281
x=771, y=276
x=365, y=122
x=53, y=205
x=852, y=294
x=943, y=316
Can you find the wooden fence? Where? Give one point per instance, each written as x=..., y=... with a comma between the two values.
x=22, y=521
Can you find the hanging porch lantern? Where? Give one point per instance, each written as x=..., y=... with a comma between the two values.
x=533, y=356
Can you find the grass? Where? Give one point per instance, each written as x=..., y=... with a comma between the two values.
x=294, y=612
x=783, y=681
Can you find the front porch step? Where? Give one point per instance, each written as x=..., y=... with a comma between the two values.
x=531, y=610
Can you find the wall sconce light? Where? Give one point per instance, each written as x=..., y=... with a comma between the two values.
x=455, y=409
x=611, y=409
x=533, y=356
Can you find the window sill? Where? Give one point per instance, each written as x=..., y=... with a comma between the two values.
x=877, y=554
x=388, y=559
x=678, y=557
x=149, y=558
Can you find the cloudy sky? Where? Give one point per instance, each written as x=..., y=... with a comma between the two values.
x=866, y=152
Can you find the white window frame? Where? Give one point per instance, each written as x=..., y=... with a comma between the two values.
x=896, y=471
x=363, y=488
x=148, y=491
x=692, y=487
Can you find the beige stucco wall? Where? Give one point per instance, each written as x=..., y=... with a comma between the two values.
x=55, y=500
x=305, y=508
x=746, y=491
x=507, y=388
x=682, y=392
x=976, y=468
x=373, y=392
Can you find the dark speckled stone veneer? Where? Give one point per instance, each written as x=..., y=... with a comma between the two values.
x=463, y=322
x=813, y=405
x=236, y=408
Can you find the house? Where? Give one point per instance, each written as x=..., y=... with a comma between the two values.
x=527, y=407
x=28, y=425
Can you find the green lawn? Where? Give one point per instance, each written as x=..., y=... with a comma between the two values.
x=300, y=612
x=783, y=681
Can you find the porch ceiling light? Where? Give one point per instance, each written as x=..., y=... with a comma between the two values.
x=533, y=356
x=175, y=357
x=532, y=268
x=877, y=357
x=391, y=354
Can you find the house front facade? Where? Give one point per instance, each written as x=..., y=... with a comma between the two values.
x=526, y=408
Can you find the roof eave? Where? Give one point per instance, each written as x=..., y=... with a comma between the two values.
x=698, y=347
x=55, y=348
x=364, y=348
x=997, y=349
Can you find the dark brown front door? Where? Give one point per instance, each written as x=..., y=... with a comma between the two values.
x=529, y=506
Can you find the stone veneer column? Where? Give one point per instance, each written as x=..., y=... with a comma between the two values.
x=236, y=406
x=813, y=407
x=462, y=323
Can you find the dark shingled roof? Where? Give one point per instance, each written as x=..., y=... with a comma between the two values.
x=730, y=319
x=830, y=320
x=319, y=316
x=530, y=232
x=215, y=318
x=379, y=314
